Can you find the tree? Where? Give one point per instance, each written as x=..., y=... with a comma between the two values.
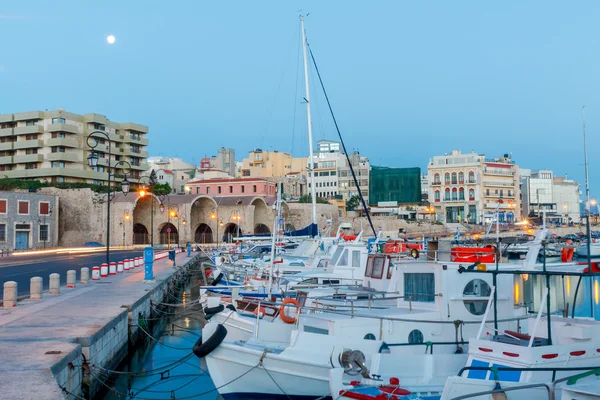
x=352, y=203
x=308, y=199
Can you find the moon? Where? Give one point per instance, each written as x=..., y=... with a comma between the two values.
x=110, y=39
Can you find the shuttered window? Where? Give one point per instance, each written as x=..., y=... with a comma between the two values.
x=44, y=208
x=2, y=206
x=23, y=207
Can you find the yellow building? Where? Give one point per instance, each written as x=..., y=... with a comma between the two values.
x=270, y=164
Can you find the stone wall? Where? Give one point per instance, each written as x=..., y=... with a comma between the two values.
x=300, y=215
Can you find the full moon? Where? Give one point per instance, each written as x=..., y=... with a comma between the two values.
x=110, y=39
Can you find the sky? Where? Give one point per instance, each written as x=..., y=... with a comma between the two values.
x=407, y=79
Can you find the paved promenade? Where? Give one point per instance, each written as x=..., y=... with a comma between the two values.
x=42, y=341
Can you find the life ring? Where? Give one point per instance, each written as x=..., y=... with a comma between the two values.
x=259, y=311
x=414, y=253
x=201, y=350
x=285, y=318
x=213, y=310
x=216, y=281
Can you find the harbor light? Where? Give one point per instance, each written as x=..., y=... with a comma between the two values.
x=516, y=292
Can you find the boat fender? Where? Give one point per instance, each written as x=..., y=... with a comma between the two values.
x=285, y=318
x=216, y=281
x=201, y=349
x=230, y=307
x=213, y=310
x=414, y=253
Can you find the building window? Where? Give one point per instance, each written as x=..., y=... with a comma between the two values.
x=447, y=178
x=32, y=122
x=454, y=194
x=2, y=206
x=436, y=196
x=219, y=189
x=31, y=151
x=508, y=193
x=44, y=208
x=471, y=194
x=99, y=127
x=461, y=177
x=461, y=194
x=471, y=177
x=454, y=181
x=243, y=188
x=254, y=188
x=58, y=135
x=43, y=237
x=447, y=195
x=2, y=232
x=61, y=179
x=501, y=193
x=58, y=120
x=487, y=192
x=208, y=190
x=31, y=137
x=230, y=189
x=31, y=166
x=437, y=180
x=23, y=207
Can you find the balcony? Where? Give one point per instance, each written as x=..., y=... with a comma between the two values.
x=438, y=183
x=29, y=130
x=28, y=144
x=28, y=158
x=498, y=173
x=64, y=142
x=141, y=141
x=471, y=182
x=130, y=126
x=6, y=146
x=63, y=128
x=67, y=157
x=25, y=116
x=6, y=160
x=6, y=132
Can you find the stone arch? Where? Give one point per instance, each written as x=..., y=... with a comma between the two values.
x=203, y=234
x=261, y=229
x=261, y=212
x=230, y=231
x=140, y=234
x=165, y=237
x=142, y=214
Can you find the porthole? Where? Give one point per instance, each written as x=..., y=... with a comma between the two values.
x=480, y=292
x=369, y=336
x=415, y=336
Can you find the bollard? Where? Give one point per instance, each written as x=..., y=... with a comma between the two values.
x=127, y=265
x=10, y=294
x=96, y=273
x=112, y=270
x=104, y=270
x=136, y=262
x=35, y=288
x=54, y=284
x=120, y=267
x=71, y=277
x=85, y=275
x=128, y=262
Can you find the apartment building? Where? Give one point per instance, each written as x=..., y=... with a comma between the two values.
x=270, y=164
x=469, y=187
x=223, y=161
x=54, y=146
x=173, y=171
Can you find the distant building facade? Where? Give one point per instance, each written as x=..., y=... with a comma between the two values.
x=52, y=146
x=223, y=161
x=172, y=171
x=544, y=193
x=28, y=220
x=469, y=187
x=234, y=187
x=270, y=164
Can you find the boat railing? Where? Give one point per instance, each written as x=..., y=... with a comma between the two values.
x=551, y=388
x=428, y=345
x=369, y=299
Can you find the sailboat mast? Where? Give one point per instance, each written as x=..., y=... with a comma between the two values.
x=588, y=210
x=311, y=167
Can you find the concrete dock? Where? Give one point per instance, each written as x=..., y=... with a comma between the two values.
x=47, y=346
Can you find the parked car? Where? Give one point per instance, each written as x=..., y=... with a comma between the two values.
x=570, y=236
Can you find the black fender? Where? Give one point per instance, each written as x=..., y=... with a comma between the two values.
x=216, y=281
x=213, y=310
x=201, y=349
x=230, y=307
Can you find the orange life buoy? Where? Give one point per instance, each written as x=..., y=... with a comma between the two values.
x=259, y=311
x=285, y=318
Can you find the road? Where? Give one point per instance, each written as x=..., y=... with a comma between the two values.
x=21, y=268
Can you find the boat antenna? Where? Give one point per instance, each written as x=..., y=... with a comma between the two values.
x=588, y=212
x=311, y=166
x=362, y=199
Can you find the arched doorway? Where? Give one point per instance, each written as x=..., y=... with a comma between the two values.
x=140, y=234
x=203, y=234
x=261, y=229
x=231, y=232
x=169, y=236
x=262, y=213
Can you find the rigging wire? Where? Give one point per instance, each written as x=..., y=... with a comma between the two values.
x=296, y=94
x=362, y=199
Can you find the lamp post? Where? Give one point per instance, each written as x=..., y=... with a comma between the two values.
x=126, y=218
x=173, y=213
x=236, y=218
x=92, y=142
x=215, y=217
x=142, y=192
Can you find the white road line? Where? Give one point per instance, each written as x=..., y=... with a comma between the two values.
x=27, y=272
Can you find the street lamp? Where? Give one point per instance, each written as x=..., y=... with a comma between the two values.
x=93, y=142
x=142, y=192
x=126, y=218
x=214, y=215
x=236, y=218
x=173, y=213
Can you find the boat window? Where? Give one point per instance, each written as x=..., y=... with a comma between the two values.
x=419, y=287
x=369, y=336
x=389, y=274
x=369, y=269
x=322, y=264
x=480, y=292
x=301, y=298
x=343, y=258
x=378, y=267
x=415, y=336
x=310, y=281
x=336, y=255
x=313, y=329
x=355, y=259
x=331, y=281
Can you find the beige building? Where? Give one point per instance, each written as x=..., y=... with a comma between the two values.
x=468, y=187
x=53, y=146
x=270, y=164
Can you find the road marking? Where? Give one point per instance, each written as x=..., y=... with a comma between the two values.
x=27, y=272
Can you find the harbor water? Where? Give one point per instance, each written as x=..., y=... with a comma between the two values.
x=163, y=365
